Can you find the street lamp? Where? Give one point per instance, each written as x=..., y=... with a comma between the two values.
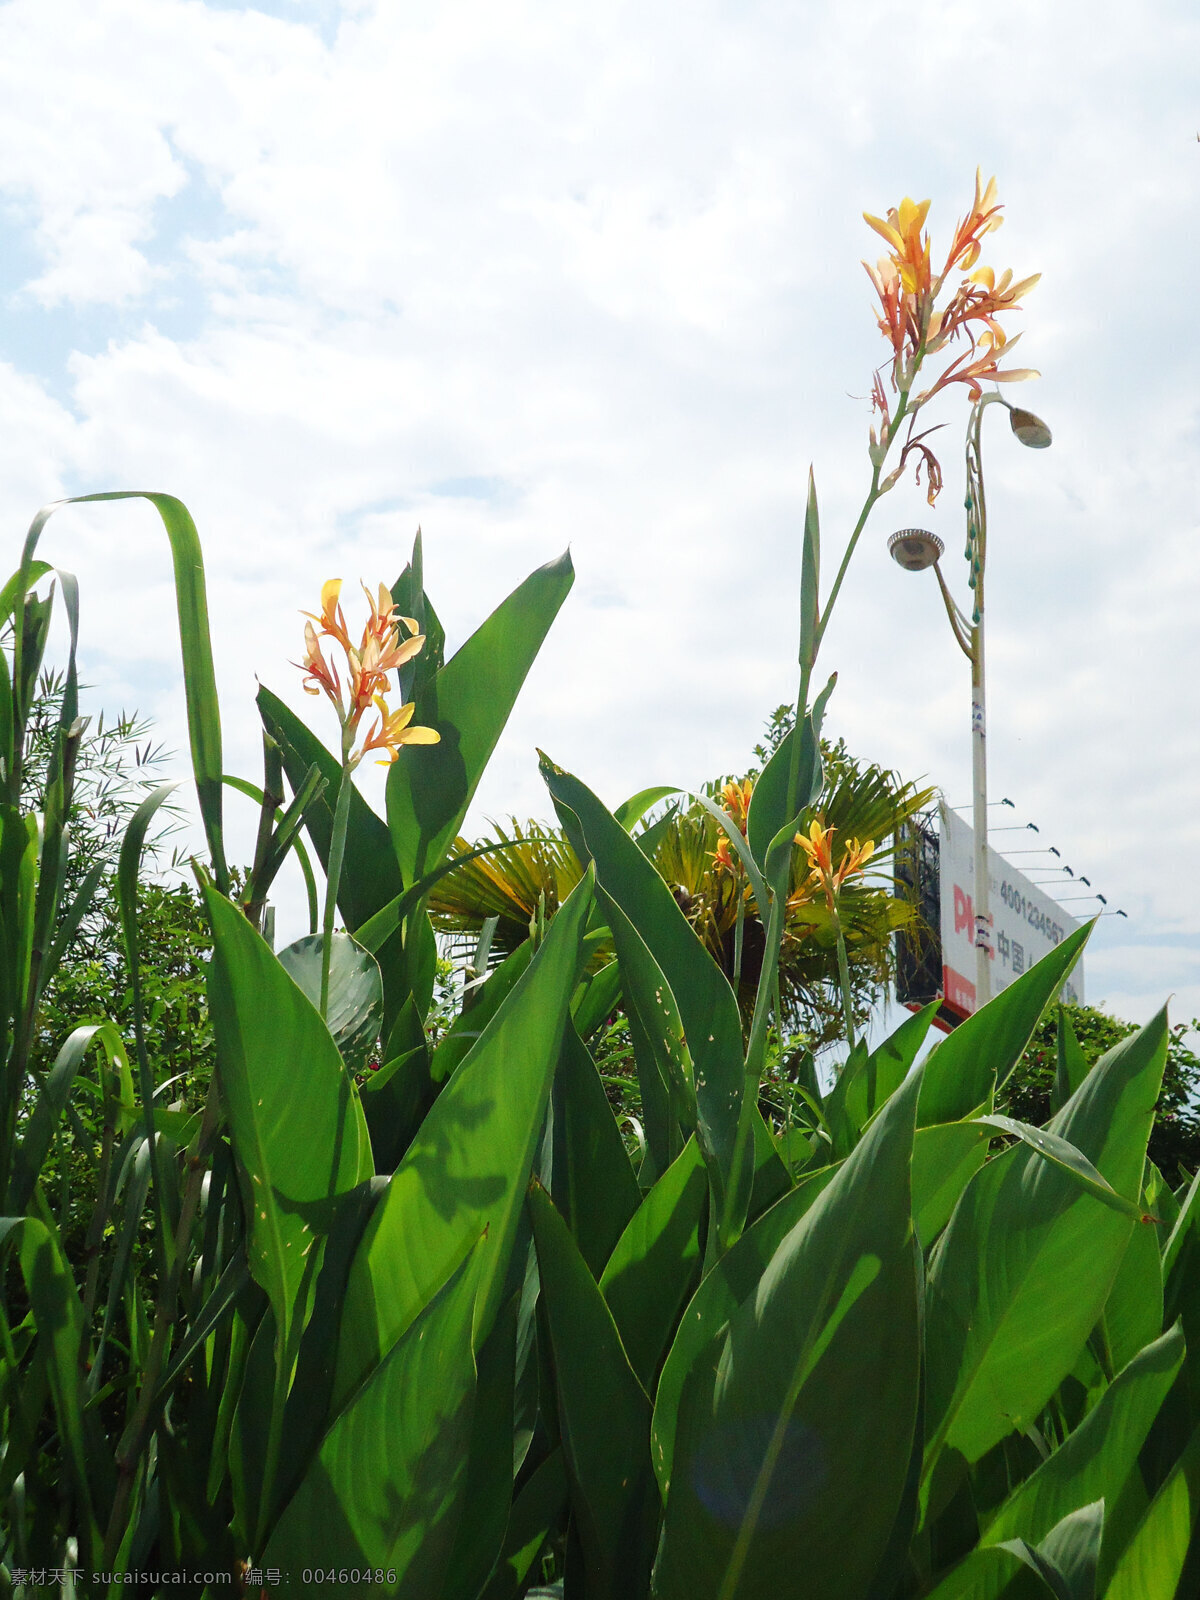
x=915, y=549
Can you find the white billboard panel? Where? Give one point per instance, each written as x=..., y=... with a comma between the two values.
x=1026, y=922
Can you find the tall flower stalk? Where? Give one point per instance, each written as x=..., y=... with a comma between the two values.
x=956, y=312
x=380, y=652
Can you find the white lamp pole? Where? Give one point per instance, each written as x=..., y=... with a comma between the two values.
x=915, y=549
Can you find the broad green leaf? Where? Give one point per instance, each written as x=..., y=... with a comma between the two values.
x=1071, y=1161
x=773, y=1435
x=870, y=1078
x=386, y=1487
x=1093, y=1462
x=354, y=1014
x=656, y=1262
x=430, y=786
x=946, y=1157
x=199, y=677
x=995, y=1572
x=596, y=999
x=630, y=812
x=487, y=1495
x=664, y=1064
x=731, y=1280
x=595, y=1188
x=1070, y=1552
x=970, y=1064
x=707, y=1007
x=1133, y=1312
x=370, y=876
x=468, y=1165
x=1071, y=1065
x=296, y=1119
x=1022, y=1272
x=535, y=1511
x=605, y=1425
x=1152, y=1563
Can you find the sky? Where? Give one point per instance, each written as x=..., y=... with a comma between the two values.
x=533, y=276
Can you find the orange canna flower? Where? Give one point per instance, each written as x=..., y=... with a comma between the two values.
x=735, y=797
x=818, y=847
x=380, y=652
x=723, y=860
x=914, y=326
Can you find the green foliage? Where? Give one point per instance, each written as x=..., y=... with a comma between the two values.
x=490, y=1288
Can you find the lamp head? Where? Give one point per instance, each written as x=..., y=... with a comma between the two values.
x=915, y=548
x=1030, y=430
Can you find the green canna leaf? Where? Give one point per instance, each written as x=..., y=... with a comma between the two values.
x=1021, y=1275
x=430, y=786
x=1094, y=1462
x=355, y=1010
x=970, y=1064
x=370, y=877
x=707, y=1009
x=199, y=677
x=656, y=1264
x=773, y=1435
x=946, y=1157
x=467, y=1168
x=605, y=1426
x=733, y=1277
x=1152, y=1564
x=387, y=1485
x=595, y=1187
x=299, y=1148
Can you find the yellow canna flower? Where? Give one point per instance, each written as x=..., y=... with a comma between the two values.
x=395, y=728
x=380, y=652
x=818, y=847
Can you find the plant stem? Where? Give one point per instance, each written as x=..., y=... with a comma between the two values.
x=844, y=980
x=337, y=850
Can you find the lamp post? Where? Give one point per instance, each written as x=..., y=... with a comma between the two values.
x=915, y=549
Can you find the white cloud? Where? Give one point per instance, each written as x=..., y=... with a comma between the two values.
x=606, y=263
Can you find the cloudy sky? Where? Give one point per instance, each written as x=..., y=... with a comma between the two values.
x=532, y=275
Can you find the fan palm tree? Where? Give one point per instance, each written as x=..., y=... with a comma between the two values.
x=531, y=869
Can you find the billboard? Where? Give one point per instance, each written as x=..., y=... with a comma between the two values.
x=936, y=960
x=1026, y=922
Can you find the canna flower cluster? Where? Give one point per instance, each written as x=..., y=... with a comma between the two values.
x=735, y=798
x=917, y=325
x=817, y=845
x=380, y=652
